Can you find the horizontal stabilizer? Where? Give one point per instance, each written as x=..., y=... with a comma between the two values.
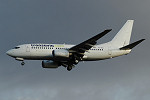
x=132, y=45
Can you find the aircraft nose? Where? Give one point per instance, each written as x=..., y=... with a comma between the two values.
x=9, y=52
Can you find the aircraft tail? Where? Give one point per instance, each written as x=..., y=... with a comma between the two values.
x=122, y=38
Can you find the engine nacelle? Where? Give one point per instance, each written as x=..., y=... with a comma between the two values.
x=61, y=54
x=49, y=64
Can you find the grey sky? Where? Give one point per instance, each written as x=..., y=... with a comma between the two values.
x=73, y=21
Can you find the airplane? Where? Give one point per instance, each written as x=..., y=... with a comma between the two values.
x=56, y=55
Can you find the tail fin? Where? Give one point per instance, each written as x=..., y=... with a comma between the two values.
x=122, y=38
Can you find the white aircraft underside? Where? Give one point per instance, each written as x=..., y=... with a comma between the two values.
x=55, y=55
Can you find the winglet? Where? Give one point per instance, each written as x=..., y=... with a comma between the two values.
x=132, y=45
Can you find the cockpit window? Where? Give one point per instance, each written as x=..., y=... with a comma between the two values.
x=16, y=47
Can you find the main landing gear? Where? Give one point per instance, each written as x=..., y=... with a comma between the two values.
x=69, y=68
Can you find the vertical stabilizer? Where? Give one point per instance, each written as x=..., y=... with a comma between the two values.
x=122, y=38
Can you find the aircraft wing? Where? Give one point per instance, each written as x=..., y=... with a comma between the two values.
x=88, y=44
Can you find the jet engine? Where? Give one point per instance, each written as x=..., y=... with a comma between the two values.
x=61, y=54
x=49, y=64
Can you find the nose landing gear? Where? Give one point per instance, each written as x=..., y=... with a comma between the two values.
x=21, y=59
x=22, y=63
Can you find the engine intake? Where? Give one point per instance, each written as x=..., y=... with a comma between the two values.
x=49, y=64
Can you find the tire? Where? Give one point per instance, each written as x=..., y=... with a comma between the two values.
x=69, y=68
x=22, y=63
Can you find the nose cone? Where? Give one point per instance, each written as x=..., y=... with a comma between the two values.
x=9, y=52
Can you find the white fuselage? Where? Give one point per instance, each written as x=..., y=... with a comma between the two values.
x=44, y=52
x=55, y=55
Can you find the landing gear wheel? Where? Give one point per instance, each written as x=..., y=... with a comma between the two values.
x=22, y=63
x=69, y=68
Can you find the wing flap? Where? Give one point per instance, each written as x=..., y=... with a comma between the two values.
x=88, y=44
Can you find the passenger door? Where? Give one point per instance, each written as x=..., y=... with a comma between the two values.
x=27, y=48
